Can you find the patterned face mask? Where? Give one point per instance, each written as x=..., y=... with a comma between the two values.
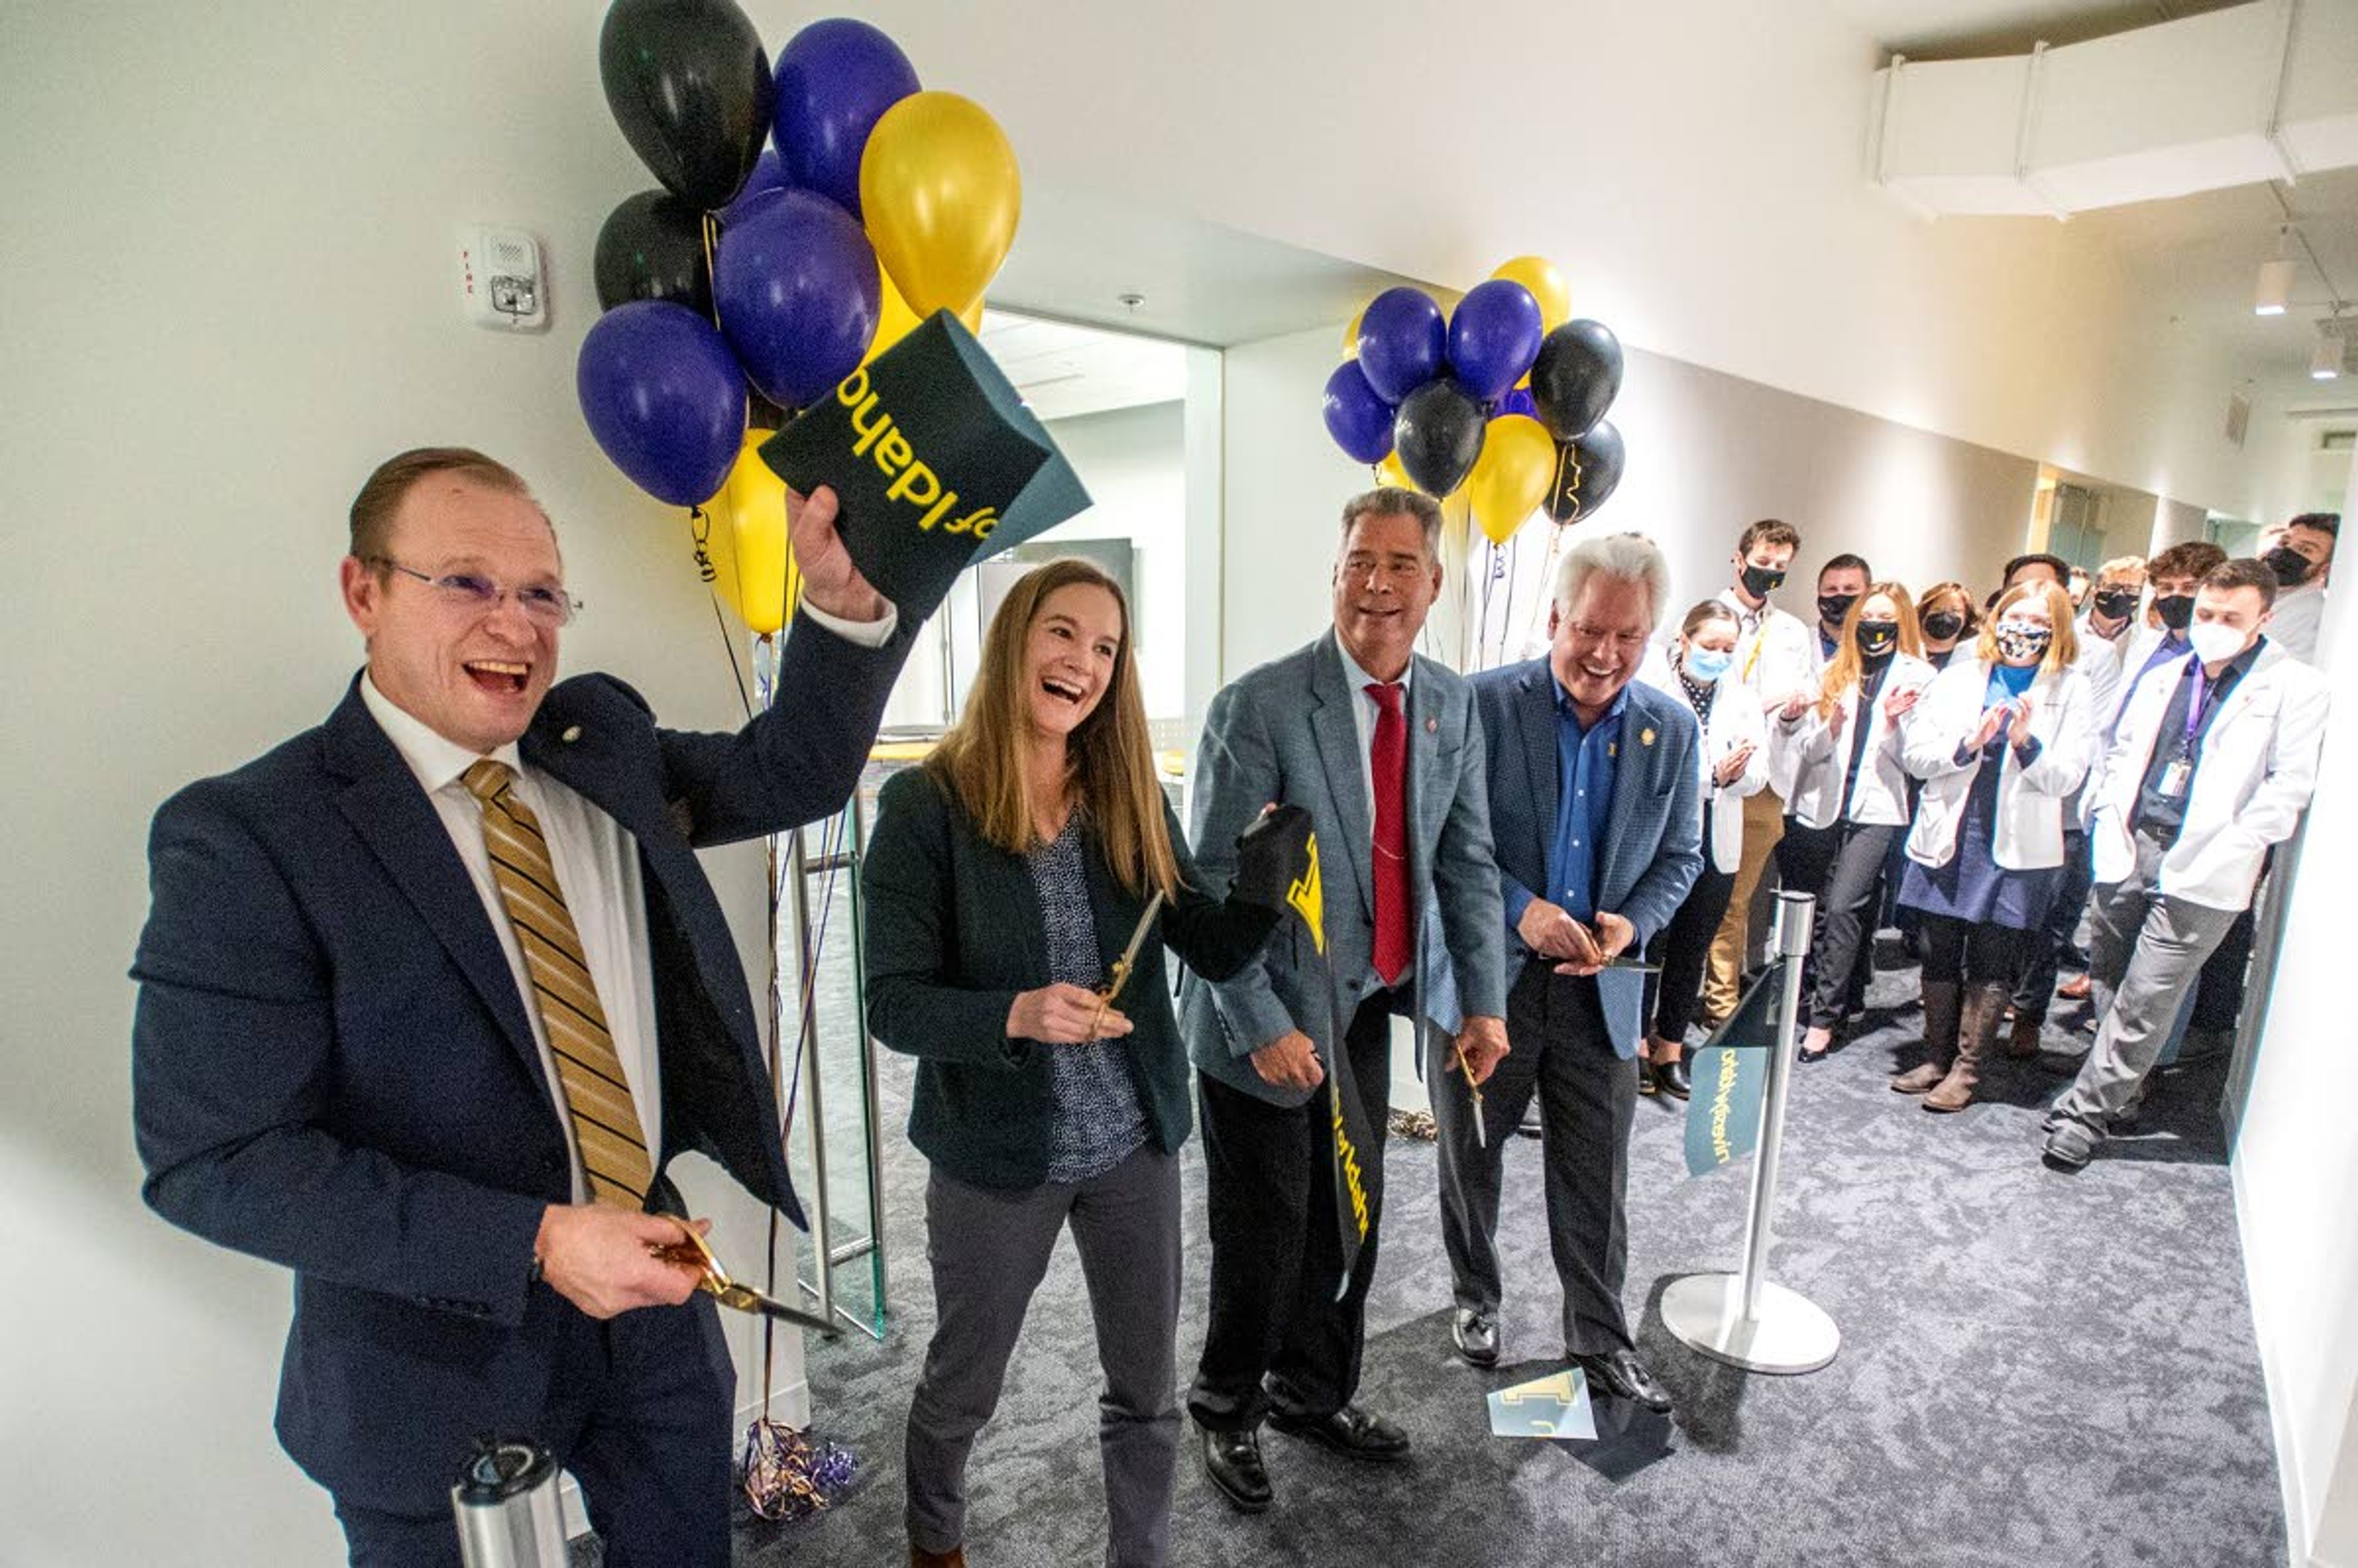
x=2022, y=642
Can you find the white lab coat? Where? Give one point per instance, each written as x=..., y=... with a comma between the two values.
x=1735, y=717
x=2258, y=770
x=1819, y=753
x=2028, y=834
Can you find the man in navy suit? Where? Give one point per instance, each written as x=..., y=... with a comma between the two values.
x=431, y=994
x=1598, y=834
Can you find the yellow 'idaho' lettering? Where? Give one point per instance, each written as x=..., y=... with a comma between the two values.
x=913, y=481
x=1353, y=1183
x=1722, y=1104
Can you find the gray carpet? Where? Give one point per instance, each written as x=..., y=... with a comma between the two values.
x=2035, y=1368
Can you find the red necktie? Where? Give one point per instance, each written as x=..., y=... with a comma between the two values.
x=1387, y=760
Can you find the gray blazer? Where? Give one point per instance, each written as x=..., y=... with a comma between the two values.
x=1653, y=839
x=1285, y=731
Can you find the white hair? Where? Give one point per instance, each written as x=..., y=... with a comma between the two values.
x=1629, y=558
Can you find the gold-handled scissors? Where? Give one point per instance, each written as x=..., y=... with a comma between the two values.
x=1481, y=1129
x=691, y=1253
x=1110, y=992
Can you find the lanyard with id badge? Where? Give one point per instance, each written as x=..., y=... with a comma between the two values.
x=2181, y=771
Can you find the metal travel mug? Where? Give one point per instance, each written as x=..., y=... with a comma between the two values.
x=506, y=1506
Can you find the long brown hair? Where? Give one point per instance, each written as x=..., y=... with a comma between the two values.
x=985, y=760
x=1844, y=672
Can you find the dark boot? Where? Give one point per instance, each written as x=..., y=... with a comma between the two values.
x=1940, y=1040
x=2024, y=1044
x=1984, y=1006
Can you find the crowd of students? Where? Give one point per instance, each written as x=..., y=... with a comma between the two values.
x=1983, y=772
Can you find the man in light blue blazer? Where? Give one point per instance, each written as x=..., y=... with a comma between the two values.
x=1593, y=810
x=1380, y=747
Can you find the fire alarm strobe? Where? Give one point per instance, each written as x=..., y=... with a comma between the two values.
x=500, y=277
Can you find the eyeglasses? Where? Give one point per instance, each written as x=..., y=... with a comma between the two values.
x=542, y=604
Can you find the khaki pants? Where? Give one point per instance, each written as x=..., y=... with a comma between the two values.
x=1764, y=825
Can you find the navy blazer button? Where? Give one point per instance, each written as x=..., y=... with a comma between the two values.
x=572, y=733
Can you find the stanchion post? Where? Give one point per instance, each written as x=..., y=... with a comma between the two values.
x=1745, y=1319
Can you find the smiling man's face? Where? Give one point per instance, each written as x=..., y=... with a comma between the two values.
x=475, y=676
x=1384, y=586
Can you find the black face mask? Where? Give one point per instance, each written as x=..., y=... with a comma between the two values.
x=1762, y=581
x=2114, y=603
x=2176, y=610
x=1878, y=638
x=2292, y=568
x=1943, y=624
x=1833, y=606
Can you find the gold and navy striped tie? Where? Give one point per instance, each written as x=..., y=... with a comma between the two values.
x=605, y=1122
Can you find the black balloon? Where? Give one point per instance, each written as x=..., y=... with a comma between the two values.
x=652, y=247
x=1575, y=377
x=689, y=83
x=1586, y=470
x=1438, y=434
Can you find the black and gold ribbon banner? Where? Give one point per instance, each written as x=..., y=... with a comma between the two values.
x=1354, y=1141
x=1730, y=1072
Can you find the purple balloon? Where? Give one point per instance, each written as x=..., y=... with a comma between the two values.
x=834, y=80
x=769, y=174
x=1494, y=335
x=1517, y=400
x=799, y=295
x=664, y=397
x=1402, y=340
x=1361, y=422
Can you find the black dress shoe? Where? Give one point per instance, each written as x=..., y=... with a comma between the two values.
x=1477, y=1338
x=1350, y=1431
x=1668, y=1078
x=1232, y=1461
x=1621, y=1372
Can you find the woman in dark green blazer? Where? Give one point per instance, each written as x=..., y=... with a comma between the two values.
x=1003, y=881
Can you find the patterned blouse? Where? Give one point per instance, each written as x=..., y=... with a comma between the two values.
x=1097, y=1116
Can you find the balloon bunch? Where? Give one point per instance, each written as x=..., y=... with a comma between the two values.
x=1501, y=400
x=759, y=275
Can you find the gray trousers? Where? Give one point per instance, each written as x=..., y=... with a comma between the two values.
x=1559, y=1049
x=2145, y=952
x=989, y=1251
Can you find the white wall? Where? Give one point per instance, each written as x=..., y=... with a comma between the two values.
x=2296, y=1163
x=231, y=291
x=1133, y=462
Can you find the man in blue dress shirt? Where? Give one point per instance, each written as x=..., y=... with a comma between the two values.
x=1597, y=825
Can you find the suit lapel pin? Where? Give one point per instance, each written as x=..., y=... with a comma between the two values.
x=1645, y=737
x=1433, y=725
x=572, y=733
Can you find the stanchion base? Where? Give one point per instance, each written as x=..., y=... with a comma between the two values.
x=1792, y=1333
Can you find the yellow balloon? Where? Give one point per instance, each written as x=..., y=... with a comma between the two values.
x=1547, y=286
x=1511, y=477
x=896, y=320
x=1351, y=334
x=752, y=560
x=1389, y=471
x=940, y=191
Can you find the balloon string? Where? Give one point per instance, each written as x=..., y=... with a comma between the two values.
x=699, y=530
x=712, y=282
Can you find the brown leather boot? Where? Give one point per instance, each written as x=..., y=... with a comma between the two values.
x=921, y=1558
x=1940, y=1041
x=2024, y=1044
x=1984, y=1006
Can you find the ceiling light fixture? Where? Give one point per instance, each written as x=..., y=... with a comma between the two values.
x=2274, y=291
x=2337, y=348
